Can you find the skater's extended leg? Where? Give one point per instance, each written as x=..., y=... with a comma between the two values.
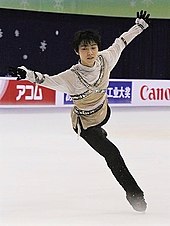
x=96, y=137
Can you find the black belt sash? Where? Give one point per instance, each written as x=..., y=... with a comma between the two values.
x=87, y=112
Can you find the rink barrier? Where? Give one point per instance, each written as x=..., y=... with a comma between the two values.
x=120, y=92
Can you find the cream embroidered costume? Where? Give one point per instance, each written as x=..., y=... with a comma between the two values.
x=87, y=85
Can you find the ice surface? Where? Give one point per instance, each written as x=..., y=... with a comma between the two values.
x=48, y=177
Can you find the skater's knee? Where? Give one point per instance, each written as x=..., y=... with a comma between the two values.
x=92, y=133
x=98, y=131
x=104, y=133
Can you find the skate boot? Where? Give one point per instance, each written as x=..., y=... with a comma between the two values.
x=137, y=201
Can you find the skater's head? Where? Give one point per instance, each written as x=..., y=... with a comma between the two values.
x=86, y=37
x=87, y=44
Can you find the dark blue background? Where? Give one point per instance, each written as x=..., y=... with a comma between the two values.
x=147, y=57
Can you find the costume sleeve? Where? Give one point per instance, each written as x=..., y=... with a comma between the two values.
x=112, y=54
x=63, y=82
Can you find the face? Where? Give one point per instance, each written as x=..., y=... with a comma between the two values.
x=88, y=53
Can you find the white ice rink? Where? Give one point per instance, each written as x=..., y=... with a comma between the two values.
x=50, y=178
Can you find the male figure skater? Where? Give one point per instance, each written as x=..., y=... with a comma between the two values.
x=86, y=82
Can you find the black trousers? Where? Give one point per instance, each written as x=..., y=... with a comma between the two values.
x=96, y=137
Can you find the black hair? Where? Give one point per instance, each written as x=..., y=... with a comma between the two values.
x=86, y=36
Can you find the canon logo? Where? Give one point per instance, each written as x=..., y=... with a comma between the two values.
x=147, y=93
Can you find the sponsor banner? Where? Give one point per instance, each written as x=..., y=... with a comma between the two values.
x=120, y=93
x=23, y=92
x=67, y=99
x=151, y=93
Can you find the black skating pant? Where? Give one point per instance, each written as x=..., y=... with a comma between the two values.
x=96, y=137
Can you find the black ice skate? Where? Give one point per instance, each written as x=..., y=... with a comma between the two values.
x=137, y=201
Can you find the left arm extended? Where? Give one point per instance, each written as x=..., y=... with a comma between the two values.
x=141, y=23
x=113, y=53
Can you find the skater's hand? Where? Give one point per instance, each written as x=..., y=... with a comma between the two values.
x=144, y=15
x=143, y=19
x=23, y=73
x=17, y=72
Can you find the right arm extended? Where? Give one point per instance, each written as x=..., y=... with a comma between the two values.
x=63, y=81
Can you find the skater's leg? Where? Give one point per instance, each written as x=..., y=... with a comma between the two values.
x=96, y=137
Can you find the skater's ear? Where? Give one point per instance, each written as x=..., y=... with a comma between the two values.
x=76, y=52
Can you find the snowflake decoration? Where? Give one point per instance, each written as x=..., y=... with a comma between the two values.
x=25, y=56
x=57, y=32
x=17, y=33
x=133, y=3
x=147, y=2
x=43, y=46
x=59, y=5
x=1, y=33
x=24, y=3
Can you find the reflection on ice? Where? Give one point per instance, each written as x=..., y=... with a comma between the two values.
x=48, y=177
